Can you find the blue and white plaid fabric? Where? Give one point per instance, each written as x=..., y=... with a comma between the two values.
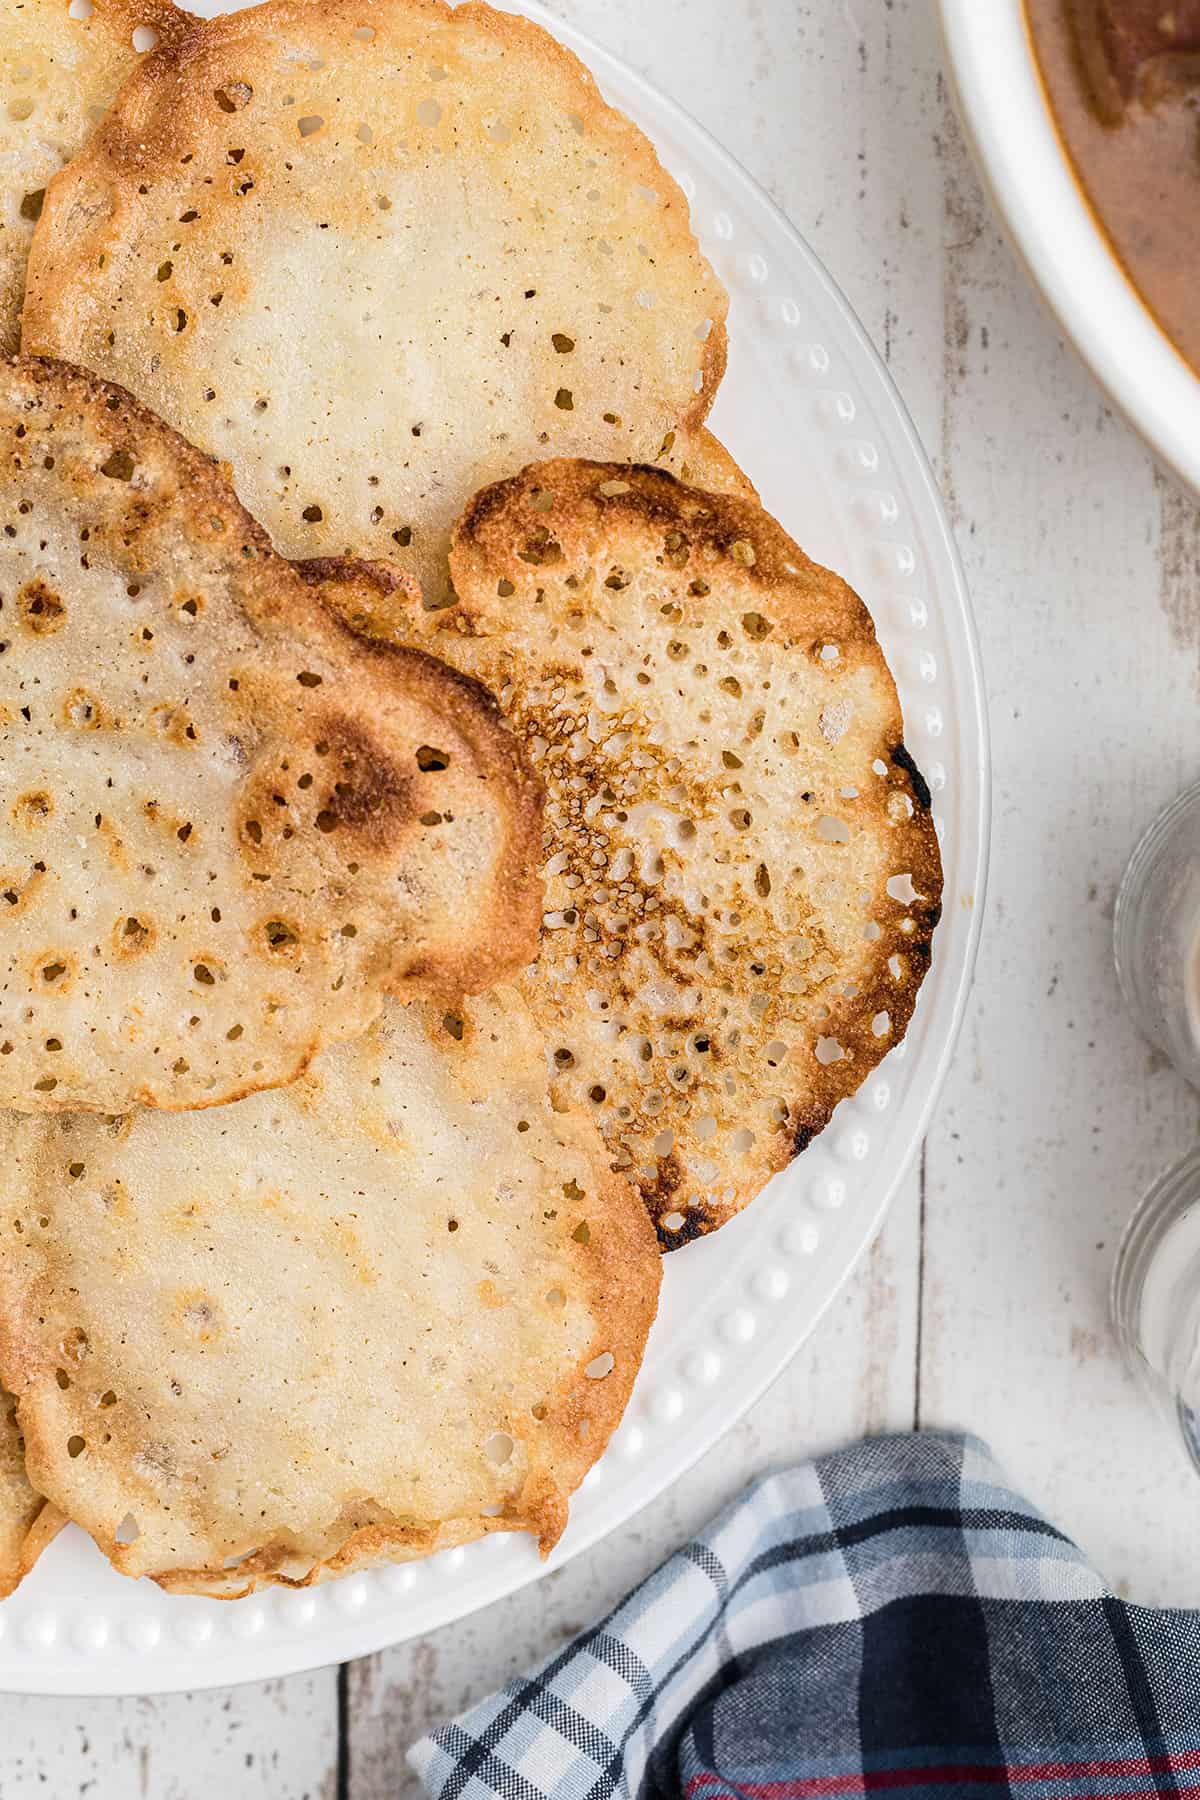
x=891, y=1617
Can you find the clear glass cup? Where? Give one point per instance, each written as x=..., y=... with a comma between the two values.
x=1156, y=1298
x=1156, y=1281
x=1156, y=933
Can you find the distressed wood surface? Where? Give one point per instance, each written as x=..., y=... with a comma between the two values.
x=983, y=1303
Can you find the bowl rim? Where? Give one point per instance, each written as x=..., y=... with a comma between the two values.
x=1008, y=121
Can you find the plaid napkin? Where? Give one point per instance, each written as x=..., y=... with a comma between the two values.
x=891, y=1617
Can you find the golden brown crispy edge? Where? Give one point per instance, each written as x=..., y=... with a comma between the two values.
x=117, y=19
x=122, y=17
x=517, y=916
x=30, y=1522
x=46, y=1525
x=700, y=460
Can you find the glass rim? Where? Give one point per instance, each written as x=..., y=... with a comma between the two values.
x=1165, y=1195
x=1125, y=910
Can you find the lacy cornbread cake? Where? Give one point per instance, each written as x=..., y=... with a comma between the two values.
x=373, y=255
x=58, y=73
x=383, y=1311
x=743, y=876
x=228, y=826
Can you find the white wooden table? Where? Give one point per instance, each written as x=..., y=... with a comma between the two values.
x=983, y=1304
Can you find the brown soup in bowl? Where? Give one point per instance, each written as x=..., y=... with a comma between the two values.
x=1123, y=81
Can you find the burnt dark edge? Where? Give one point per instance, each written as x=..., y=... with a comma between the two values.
x=920, y=787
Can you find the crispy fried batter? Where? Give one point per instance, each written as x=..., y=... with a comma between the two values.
x=57, y=75
x=700, y=460
x=228, y=825
x=386, y=1310
x=374, y=257
x=27, y=1524
x=743, y=874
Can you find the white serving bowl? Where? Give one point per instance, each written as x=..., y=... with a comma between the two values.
x=1008, y=121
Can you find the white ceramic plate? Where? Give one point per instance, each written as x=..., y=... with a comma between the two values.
x=1006, y=117
x=809, y=410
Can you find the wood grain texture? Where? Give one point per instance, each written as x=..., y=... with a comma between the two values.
x=1082, y=564
x=1085, y=567
x=273, y=1741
